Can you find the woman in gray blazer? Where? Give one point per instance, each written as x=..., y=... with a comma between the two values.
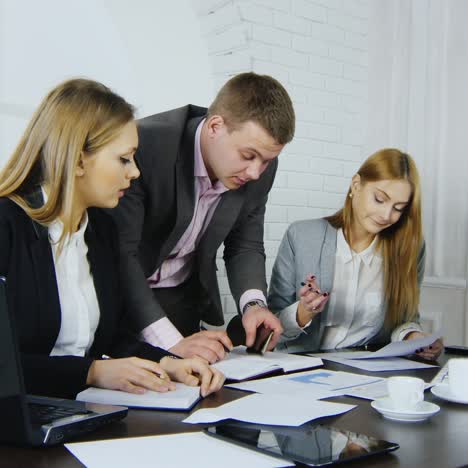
x=353, y=278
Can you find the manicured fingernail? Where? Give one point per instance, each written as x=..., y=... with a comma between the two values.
x=302, y=283
x=309, y=285
x=312, y=278
x=430, y=347
x=325, y=294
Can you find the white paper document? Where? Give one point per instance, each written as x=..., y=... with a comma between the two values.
x=279, y=410
x=380, y=365
x=182, y=398
x=395, y=349
x=169, y=451
x=240, y=365
x=373, y=391
x=277, y=386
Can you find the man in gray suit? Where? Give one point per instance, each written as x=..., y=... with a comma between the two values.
x=205, y=178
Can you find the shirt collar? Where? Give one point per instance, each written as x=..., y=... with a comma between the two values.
x=199, y=166
x=56, y=227
x=347, y=254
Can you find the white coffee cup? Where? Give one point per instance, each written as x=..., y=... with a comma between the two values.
x=458, y=377
x=405, y=392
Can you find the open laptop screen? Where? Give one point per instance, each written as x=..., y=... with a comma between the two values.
x=12, y=395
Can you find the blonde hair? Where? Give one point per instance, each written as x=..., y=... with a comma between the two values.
x=78, y=116
x=400, y=243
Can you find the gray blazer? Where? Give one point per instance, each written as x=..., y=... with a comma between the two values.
x=310, y=247
x=158, y=208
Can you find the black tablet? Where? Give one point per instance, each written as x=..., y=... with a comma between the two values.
x=314, y=446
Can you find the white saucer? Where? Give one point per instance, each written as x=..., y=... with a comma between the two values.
x=423, y=410
x=443, y=391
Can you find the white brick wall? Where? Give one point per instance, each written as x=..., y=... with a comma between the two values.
x=318, y=50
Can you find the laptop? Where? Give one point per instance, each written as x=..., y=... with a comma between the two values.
x=37, y=420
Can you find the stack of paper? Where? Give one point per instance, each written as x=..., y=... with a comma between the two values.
x=317, y=384
x=240, y=365
x=386, y=358
x=182, y=398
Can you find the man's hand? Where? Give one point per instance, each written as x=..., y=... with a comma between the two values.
x=431, y=352
x=193, y=372
x=210, y=345
x=256, y=316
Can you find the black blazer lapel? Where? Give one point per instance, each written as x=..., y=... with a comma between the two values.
x=222, y=221
x=103, y=276
x=49, y=312
x=185, y=188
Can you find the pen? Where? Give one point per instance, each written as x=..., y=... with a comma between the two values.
x=161, y=376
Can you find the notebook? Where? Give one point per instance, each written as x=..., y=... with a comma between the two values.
x=37, y=420
x=240, y=365
x=183, y=398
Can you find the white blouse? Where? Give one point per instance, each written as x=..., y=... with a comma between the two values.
x=78, y=300
x=356, y=309
x=355, y=312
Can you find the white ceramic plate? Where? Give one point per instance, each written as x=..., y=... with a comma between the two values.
x=443, y=391
x=423, y=410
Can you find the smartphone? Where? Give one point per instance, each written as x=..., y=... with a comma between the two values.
x=262, y=340
x=314, y=446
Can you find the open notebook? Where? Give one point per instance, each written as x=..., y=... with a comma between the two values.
x=240, y=365
x=182, y=398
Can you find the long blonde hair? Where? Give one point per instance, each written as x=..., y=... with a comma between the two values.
x=78, y=116
x=400, y=243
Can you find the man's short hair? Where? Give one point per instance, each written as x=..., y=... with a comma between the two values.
x=258, y=98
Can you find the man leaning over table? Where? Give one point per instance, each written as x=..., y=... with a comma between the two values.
x=205, y=179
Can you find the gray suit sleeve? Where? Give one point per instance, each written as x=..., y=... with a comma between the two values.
x=282, y=292
x=244, y=251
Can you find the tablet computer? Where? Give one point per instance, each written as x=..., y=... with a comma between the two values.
x=311, y=445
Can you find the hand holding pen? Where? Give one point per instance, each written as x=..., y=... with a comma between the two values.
x=133, y=375
x=312, y=300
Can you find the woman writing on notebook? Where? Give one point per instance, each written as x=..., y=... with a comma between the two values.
x=353, y=278
x=60, y=250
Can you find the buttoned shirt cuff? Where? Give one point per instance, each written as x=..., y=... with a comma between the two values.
x=251, y=295
x=161, y=333
x=288, y=317
x=404, y=329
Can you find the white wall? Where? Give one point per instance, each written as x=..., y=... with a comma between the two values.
x=318, y=50
x=418, y=102
x=150, y=52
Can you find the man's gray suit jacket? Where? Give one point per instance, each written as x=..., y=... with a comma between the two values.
x=157, y=209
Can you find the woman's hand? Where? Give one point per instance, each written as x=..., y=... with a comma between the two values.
x=431, y=352
x=312, y=301
x=194, y=371
x=133, y=375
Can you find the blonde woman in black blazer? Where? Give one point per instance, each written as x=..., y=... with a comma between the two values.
x=75, y=157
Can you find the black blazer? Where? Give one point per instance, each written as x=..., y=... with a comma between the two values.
x=26, y=261
x=158, y=207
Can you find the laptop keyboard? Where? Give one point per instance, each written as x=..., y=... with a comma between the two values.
x=44, y=414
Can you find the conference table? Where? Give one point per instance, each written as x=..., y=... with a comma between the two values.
x=441, y=441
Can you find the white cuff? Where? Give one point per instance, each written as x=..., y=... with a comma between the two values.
x=161, y=333
x=404, y=329
x=251, y=295
x=288, y=317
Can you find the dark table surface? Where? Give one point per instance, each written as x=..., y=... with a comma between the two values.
x=441, y=441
